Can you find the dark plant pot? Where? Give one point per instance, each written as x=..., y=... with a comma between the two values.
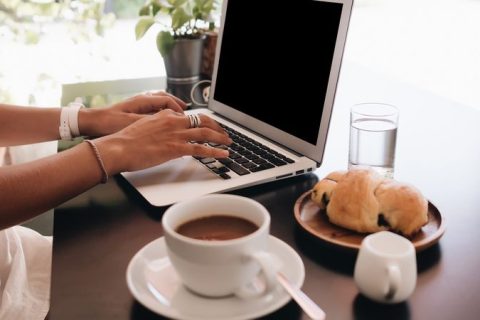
x=183, y=63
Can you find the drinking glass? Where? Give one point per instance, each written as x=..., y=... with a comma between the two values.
x=373, y=137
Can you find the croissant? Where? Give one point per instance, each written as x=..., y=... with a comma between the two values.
x=363, y=201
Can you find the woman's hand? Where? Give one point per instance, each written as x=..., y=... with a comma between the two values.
x=159, y=138
x=98, y=122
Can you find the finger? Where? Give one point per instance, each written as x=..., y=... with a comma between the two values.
x=167, y=102
x=179, y=101
x=200, y=150
x=156, y=103
x=205, y=135
x=207, y=122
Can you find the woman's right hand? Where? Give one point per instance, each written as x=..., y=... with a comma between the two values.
x=158, y=138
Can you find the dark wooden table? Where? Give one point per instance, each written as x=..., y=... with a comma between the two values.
x=438, y=150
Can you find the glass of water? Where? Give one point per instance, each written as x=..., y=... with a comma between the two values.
x=373, y=136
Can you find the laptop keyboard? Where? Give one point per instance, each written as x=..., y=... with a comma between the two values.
x=246, y=156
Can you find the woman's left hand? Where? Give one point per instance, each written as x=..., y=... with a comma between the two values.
x=96, y=122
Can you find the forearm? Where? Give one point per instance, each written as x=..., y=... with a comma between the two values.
x=58, y=178
x=25, y=125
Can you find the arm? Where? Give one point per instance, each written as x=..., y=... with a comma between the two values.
x=26, y=125
x=32, y=188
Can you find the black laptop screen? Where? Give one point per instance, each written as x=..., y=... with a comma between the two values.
x=275, y=61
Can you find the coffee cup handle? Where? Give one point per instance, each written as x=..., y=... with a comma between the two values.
x=394, y=279
x=269, y=266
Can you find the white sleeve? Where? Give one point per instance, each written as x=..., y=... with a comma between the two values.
x=25, y=264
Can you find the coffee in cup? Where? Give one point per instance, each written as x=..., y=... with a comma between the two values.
x=217, y=227
x=218, y=245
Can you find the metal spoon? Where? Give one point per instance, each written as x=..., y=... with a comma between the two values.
x=307, y=304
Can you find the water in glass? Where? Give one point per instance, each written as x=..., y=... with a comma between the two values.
x=372, y=144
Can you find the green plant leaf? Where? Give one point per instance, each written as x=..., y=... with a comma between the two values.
x=164, y=42
x=179, y=3
x=203, y=8
x=179, y=18
x=144, y=10
x=142, y=26
x=156, y=6
x=166, y=3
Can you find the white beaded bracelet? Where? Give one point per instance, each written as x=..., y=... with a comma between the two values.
x=69, y=121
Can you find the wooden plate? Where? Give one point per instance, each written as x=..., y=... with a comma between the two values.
x=314, y=220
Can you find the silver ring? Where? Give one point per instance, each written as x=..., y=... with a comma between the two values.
x=195, y=120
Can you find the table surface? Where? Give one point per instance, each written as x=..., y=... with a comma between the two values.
x=97, y=233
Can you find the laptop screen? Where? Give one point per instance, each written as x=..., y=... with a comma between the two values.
x=276, y=60
x=273, y=49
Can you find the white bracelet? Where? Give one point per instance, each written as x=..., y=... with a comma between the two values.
x=64, y=128
x=69, y=121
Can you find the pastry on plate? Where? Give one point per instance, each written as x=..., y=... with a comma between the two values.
x=363, y=201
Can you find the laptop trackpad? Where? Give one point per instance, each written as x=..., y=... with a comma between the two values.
x=174, y=181
x=185, y=169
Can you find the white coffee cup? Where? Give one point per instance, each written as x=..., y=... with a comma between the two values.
x=386, y=269
x=218, y=268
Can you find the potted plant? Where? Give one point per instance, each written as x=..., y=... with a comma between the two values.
x=184, y=25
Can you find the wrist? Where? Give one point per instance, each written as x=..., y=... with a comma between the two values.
x=111, y=149
x=88, y=120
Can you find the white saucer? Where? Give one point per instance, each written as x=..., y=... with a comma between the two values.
x=155, y=284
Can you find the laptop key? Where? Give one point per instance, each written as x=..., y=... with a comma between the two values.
x=238, y=169
x=236, y=147
x=259, y=161
x=251, y=157
x=263, y=166
x=249, y=165
x=241, y=160
x=225, y=160
x=225, y=176
x=278, y=162
x=211, y=165
x=207, y=160
x=220, y=170
x=234, y=155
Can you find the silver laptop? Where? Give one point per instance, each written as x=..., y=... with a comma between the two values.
x=260, y=92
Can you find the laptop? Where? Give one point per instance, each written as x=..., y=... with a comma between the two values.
x=260, y=94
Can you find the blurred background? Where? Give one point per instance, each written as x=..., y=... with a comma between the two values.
x=45, y=43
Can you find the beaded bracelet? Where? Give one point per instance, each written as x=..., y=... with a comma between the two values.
x=100, y=161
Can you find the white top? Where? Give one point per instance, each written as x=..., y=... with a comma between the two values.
x=25, y=266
